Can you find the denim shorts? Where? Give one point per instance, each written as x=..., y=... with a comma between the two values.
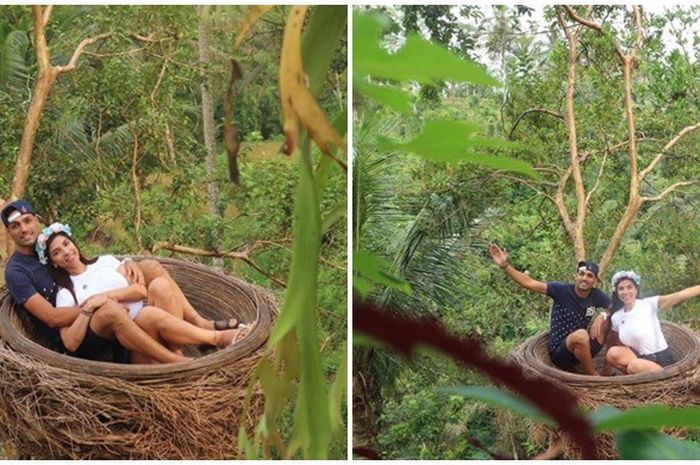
x=566, y=360
x=664, y=357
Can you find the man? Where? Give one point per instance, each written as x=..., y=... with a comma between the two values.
x=31, y=286
x=572, y=308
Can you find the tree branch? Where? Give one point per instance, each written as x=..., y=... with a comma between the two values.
x=586, y=22
x=526, y=183
x=593, y=25
x=79, y=51
x=639, y=30
x=534, y=110
x=148, y=39
x=597, y=180
x=210, y=253
x=667, y=191
x=684, y=132
x=47, y=14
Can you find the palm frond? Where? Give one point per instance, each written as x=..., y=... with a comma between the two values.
x=14, y=69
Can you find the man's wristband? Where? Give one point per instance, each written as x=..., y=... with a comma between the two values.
x=87, y=313
x=503, y=267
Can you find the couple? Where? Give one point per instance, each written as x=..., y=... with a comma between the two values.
x=95, y=306
x=636, y=343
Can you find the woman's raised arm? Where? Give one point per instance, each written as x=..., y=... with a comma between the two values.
x=668, y=301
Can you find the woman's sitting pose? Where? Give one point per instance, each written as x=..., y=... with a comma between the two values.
x=90, y=283
x=635, y=322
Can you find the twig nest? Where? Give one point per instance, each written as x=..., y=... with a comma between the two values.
x=675, y=385
x=57, y=406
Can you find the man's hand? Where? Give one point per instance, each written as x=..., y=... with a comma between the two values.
x=133, y=273
x=498, y=255
x=597, y=328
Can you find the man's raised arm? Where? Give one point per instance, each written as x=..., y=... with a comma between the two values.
x=500, y=257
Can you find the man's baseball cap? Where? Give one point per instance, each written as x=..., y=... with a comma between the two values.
x=589, y=265
x=13, y=210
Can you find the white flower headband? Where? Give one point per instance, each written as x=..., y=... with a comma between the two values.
x=625, y=275
x=43, y=238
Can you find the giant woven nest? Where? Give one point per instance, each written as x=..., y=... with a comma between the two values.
x=56, y=406
x=676, y=385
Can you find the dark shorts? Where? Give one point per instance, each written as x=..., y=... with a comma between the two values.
x=663, y=358
x=101, y=349
x=566, y=360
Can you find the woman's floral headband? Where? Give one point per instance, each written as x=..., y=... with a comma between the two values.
x=625, y=275
x=43, y=238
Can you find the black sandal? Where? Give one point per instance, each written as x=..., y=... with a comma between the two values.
x=220, y=325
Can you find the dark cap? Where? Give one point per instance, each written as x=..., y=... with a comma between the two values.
x=21, y=206
x=590, y=265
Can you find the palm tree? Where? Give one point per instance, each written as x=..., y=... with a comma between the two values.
x=425, y=235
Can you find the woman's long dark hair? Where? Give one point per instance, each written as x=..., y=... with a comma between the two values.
x=59, y=275
x=617, y=304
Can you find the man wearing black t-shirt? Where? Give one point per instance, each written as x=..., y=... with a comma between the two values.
x=573, y=305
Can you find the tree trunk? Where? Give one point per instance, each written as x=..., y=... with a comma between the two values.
x=208, y=121
x=47, y=74
x=42, y=88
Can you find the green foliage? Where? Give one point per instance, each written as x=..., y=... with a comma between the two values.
x=651, y=445
x=294, y=377
x=125, y=94
x=499, y=398
x=405, y=208
x=371, y=270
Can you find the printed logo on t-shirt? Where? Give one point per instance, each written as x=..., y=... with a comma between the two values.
x=590, y=311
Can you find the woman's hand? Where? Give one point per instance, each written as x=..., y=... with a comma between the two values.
x=96, y=301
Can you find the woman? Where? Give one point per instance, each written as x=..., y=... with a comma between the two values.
x=635, y=322
x=92, y=283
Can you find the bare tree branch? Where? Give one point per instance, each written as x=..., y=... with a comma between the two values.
x=684, y=132
x=534, y=110
x=667, y=191
x=210, y=253
x=639, y=30
x=597, y=180
x=586, y=22
x=79, y=51
x=148, y=39
x=593, y=25
x=574, y=228
x=47, y=14
x=527, y=183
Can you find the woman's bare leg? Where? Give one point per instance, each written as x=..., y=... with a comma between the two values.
x=620, y=357
x=642, y=365
x=163, y=326
x=112, y=321
x=166, y=294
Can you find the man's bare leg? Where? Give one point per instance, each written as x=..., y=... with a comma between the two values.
x=578, y=343
x=112, y=321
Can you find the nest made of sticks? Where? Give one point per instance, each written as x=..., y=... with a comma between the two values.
x=676, y=385
x=57, y=406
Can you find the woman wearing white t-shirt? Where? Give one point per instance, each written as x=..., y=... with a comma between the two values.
x=90, y=283
x=635, y=321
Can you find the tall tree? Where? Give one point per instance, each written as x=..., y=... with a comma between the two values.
x=204, y=43
x=573, y=213
x=47, y=75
